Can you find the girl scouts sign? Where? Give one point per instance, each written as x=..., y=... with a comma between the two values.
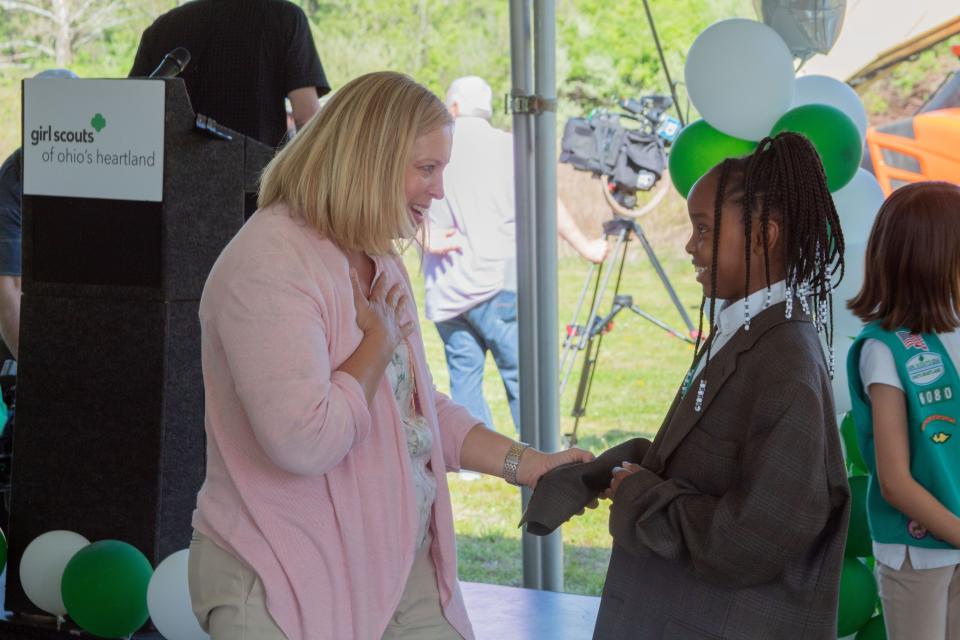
x=93, y=138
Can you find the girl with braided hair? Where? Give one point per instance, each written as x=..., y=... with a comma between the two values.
x=732, y=525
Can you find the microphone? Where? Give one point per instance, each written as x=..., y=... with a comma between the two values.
x=172, y=64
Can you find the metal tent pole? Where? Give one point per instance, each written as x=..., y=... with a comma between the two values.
x=545, y=181
x=523, y=159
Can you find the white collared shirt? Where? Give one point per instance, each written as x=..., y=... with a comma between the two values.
x=731, y=317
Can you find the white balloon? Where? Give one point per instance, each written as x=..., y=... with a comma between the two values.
x=42, y=565
x=846, y=326
x=841, y=393
x=827, y=90
x=849, y=287
x=739, y=75
x=857, y=205
x=168, y=600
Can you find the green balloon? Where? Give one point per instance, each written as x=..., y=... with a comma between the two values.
x=833, y=135
x=104, y=588
x=858, y=596
x=859, y=544
x=848, y=431
x=699, y=148
x=873, y=630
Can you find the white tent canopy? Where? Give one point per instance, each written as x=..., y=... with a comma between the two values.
x=874, y=26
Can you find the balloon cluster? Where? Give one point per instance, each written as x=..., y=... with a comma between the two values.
x=108, y=588
x=859, y=612
x=739, y=74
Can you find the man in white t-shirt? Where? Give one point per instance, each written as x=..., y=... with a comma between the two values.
x=469, y=264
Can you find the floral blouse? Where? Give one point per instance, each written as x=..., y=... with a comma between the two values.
x=419, y=436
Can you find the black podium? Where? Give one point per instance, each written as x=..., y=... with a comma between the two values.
x=109, y=440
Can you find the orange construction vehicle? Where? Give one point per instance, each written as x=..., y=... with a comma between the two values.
x=923, y=147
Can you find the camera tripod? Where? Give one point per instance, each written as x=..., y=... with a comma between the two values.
x=587, y=336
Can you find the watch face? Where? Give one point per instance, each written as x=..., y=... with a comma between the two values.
x=512, y=461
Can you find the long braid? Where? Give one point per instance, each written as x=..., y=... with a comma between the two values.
x=717, y=217
x=696, y=347
x=795, y=185
x=754, y=167
x=764, y=228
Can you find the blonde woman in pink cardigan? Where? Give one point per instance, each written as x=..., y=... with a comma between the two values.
x=325, y=512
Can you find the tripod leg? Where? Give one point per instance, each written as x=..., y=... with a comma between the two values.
x=571, y=340
x=646, y=316
x=589, y=368
x=663, y=276
x=599, y=290
x=583, y=391
x=583, y=293
x=619, y=252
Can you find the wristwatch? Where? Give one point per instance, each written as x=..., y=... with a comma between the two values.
x=512, y=462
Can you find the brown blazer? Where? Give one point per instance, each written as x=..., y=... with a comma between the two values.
x=735, y=527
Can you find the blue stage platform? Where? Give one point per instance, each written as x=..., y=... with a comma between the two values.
x=497, y=613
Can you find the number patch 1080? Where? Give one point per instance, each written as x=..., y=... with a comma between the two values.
x=933, y=396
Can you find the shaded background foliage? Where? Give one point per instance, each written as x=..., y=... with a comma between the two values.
x=604, y=50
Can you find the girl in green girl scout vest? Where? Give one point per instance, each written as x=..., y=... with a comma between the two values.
x=906, y=402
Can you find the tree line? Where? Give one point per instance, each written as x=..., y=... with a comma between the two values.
x=605, y=50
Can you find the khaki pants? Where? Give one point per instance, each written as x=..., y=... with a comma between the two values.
x=227, y=595
x=229, y=603
x=419, y=616
x=920, y=604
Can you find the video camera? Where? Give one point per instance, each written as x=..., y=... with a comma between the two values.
x=633, y=159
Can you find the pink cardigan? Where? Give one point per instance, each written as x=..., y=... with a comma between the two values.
x=305, y=482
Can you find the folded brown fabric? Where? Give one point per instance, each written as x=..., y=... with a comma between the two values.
x=562, y=492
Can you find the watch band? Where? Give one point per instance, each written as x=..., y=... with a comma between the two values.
x=512, y=461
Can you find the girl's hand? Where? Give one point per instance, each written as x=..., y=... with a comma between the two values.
x=619, y=473
x=534, y=463
x=381, y=315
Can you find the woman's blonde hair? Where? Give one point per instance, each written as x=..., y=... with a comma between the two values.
x=344, y=172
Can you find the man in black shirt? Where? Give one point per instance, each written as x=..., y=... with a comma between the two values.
x=11, y=196
x=246, y=56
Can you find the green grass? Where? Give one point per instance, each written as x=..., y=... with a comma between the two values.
x=639, y=369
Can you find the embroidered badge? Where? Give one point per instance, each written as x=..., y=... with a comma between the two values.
x=936, y=417
x=940, y=437
x=925, y=368
x=916, y=530
x=912, y=340
x=933, y=396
